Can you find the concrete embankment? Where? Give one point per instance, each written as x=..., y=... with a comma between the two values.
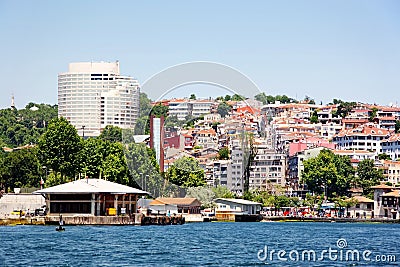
x=23, y=221
x=136, y=219
x=327, y=219
x=94, y=220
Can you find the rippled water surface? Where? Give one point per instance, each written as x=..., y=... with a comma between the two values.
x=199, y=244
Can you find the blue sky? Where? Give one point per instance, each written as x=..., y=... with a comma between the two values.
x=323, y=49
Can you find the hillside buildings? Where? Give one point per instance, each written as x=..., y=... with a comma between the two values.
x=92, y=95
x=285, y=135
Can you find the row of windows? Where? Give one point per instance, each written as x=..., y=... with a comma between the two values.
x=350, y=138
x=397, y=143
x=119, y=123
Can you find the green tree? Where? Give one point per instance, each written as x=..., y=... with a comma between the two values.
x=223, y=153
x=249, y=153
x=384, y=156
x=53, y=179
x=142, y=126
x=24, y=126
x=312, y=201
x=4, y=174
x=186, y=172
x=344, y=108
x=397, y=127
x=309, y=100
x=59, y=148
x=373, y=114
x=192, y=97
x=172, y=121
x=224, y=109
x=222, y=192
x=19, y=168
x=346, y=202
x=144, y=105
x=114, y=167
x=111, y=133
x=227, y=98
x=91, y=157
x=314, y=117
x=262, y=97
x=142, y=123
x=328, y=173
x=368, y=176
x=159, y=110
x=284, y=99
x=204, y=194
x=145, y=170
x=237, y=97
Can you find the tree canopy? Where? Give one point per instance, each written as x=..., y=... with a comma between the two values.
x=186, y=172
x=224, y=109
x=59, y=148
x=24, y=126
x=343, y=108
x=328, y=173
x=111, y=133
x=269, y=99
x=368, y=175
x=223, y=153
x=19, y=168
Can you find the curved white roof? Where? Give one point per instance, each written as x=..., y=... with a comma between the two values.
x=87, y=186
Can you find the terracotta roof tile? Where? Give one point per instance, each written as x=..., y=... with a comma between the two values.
x=395, y=193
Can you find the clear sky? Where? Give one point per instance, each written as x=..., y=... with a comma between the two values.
x=323, y=49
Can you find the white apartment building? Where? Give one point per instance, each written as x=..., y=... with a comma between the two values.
x=391, y=146
x=391, y=171
x=328, y=130
x=187, y=107
x=235, y=181
x=365, y=137
x=179, y=108
x=207, y=138
x=201, y=107
x=221, y=172
x=268, y=168
x=92, y=95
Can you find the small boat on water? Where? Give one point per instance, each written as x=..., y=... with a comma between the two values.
x=60, y=227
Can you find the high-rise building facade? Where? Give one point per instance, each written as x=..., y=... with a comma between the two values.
x=92, y=95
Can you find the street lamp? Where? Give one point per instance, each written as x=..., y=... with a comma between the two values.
x=83, y=131
x=145, y=181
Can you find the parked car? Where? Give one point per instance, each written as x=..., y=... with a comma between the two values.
x=41, y=211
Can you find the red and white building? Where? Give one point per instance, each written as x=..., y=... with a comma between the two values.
x=365, y=137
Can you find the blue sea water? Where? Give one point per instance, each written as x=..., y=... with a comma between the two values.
x=200, y=244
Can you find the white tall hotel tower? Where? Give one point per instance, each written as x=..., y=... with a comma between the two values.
x=92, y=95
